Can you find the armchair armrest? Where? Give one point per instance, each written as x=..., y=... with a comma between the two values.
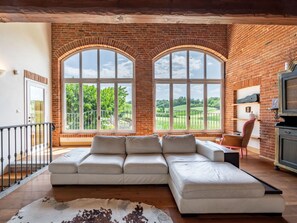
x=207, y=149
x=229, y=155
x=232, y=140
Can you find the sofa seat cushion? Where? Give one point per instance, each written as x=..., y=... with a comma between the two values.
x=68, y=163
x=179, y=144
x=143, y=144
x=102, y=164
x=187, y=157
x=108, y=145
x=213, y=180
x=145, y=164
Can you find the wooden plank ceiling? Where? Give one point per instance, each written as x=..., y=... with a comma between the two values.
x=150, y=11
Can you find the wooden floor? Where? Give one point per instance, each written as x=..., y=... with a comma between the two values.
x=159, y=196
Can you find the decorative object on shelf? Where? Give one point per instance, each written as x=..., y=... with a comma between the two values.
x=248, y=109
x=249, y=99
x=274, y=103
x=252, y=115
x=274, y=108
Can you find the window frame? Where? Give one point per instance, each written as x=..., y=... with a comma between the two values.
x=98, y=81
x=188, y=81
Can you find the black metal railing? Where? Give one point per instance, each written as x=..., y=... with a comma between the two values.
x=24, y=149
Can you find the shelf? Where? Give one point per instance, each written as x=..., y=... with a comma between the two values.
x=243, y=119
x=250, y=103
x=255, y=137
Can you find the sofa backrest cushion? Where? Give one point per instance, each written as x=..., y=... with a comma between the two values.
x=109, y=145
x=143, y=144
x=179, y=144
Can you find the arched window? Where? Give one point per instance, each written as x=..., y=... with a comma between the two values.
x=98, y=86
x=188, y=91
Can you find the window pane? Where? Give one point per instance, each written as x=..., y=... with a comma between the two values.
x=89, y=64
x=162, y=118
x=196, y=110
x=162, y=67
x=107, y=64
x=125, y=106
x=214, y=69
x=107, y=106
x=125, y=67
x=179, y=106
x=213, y=106
x=179, y=64
x=71, y=67
x=72, y=106
x=196, y=65
x=90, y=106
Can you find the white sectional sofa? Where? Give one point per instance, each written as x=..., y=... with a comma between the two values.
x=200, y=180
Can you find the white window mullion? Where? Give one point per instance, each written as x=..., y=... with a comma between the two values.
x=205, y=95
x=188, y=94
x=170, y=95
x=81, y=110
x=81, y=122
x=116, y=106
x=98, y=92
x=116, y=94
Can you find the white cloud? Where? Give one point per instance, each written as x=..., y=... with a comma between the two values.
x=71, y=72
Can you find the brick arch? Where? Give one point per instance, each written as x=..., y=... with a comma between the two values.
x=205, y=45
x=80, y=44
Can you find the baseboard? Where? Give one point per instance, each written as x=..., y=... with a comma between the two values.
x=76, y=141
x=254, y=150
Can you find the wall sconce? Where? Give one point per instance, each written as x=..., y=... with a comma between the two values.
x=2, y=71
x=15, y=72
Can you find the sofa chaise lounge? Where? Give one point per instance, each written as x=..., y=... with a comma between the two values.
x=196, y=172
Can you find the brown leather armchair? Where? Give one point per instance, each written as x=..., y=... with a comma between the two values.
x=239, y=141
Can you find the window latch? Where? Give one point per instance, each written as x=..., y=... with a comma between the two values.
x=98, y=117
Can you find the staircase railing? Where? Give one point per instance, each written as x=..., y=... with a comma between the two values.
x=24, y=149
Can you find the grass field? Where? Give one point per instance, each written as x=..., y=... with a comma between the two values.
x=196, y=119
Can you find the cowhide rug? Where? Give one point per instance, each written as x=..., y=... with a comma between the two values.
x=89, y=210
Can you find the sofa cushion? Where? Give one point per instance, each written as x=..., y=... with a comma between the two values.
x=68, y=162
x=213, y=180
x=109, y=145
x=145, y=164
x=187, y=157
x=179, y=144
x=143, y=144
x=102, y=164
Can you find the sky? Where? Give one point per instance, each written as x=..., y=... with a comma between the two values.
x=90, y=65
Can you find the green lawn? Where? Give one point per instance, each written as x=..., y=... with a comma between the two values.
x=196, y=119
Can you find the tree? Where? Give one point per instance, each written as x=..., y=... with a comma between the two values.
x=107, y=103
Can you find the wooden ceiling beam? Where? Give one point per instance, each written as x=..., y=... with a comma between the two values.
x=151, y=11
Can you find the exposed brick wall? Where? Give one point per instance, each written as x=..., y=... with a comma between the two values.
x=35, y=77
x=143, y=42
x=256, y=54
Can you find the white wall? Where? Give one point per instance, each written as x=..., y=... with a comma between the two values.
x=23, y=46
